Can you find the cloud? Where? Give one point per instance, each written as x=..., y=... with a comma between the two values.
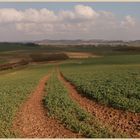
x=29, y=15
x=10, y=15
x=80, y=22
x=85, y=12
x=128, y=22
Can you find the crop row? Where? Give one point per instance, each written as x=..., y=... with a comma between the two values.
x=114, y=85
x=15, y=86
x=62, y=107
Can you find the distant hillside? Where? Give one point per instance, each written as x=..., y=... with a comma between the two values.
x=75, y=42
x=102, y=47
x=134, y=43
x=15, y=52
x=88, y=42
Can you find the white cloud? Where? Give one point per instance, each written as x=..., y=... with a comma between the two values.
x=10, y=15
x=81, y=22
x=38, y=16
x=85, y=12
x=29, y=15
x=128, y=22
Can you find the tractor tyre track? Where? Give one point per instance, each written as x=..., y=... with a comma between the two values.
x=32, y=120
x=117, y=120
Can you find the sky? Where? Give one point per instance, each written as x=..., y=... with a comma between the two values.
x=71, y=20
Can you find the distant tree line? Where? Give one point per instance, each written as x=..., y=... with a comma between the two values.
x=48, y=57
x=13, y=65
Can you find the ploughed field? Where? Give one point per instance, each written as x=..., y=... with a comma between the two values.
x=94, y=97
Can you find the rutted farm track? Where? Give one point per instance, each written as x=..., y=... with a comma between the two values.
x=32, y=120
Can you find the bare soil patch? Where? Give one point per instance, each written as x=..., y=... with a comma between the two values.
x=80, y=55
x=117, y=120
x=32, y=120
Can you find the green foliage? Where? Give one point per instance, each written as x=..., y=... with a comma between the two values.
x=114, y=85
x=15, y=86
x=61, y=106
x=106, y=60
x=48, y=57
x=17, y=46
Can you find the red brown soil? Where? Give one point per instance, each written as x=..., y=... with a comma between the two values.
x=118, y=120
x=32, y=121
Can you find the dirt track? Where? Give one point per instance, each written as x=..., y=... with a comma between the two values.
x=118, y=120
x=32, y=121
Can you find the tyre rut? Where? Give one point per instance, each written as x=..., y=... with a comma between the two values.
x=32, y=120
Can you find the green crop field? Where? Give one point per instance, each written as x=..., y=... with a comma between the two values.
x=15, y=86
x=63, y=108
x=111, y=79
x=69, y=70
x=114, y=82
x=106, y=60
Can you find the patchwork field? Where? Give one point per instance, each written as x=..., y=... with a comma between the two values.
x=73, y=95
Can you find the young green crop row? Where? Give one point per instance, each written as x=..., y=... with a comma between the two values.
x=15, y=86
x=63, y=108
x=114, y=85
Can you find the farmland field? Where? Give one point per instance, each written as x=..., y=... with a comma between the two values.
x=15, y=86
x=69, y=70
x=112, y=84
x=69, y=113
x=82, y=96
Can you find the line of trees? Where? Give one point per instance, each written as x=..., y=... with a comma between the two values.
x=48, y=57
x=13, y=65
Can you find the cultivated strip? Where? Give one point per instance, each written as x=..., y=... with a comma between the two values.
x=118, y=120
x=32, y=120
x=72, y=116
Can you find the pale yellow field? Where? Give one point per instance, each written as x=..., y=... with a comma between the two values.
x=80, y=55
